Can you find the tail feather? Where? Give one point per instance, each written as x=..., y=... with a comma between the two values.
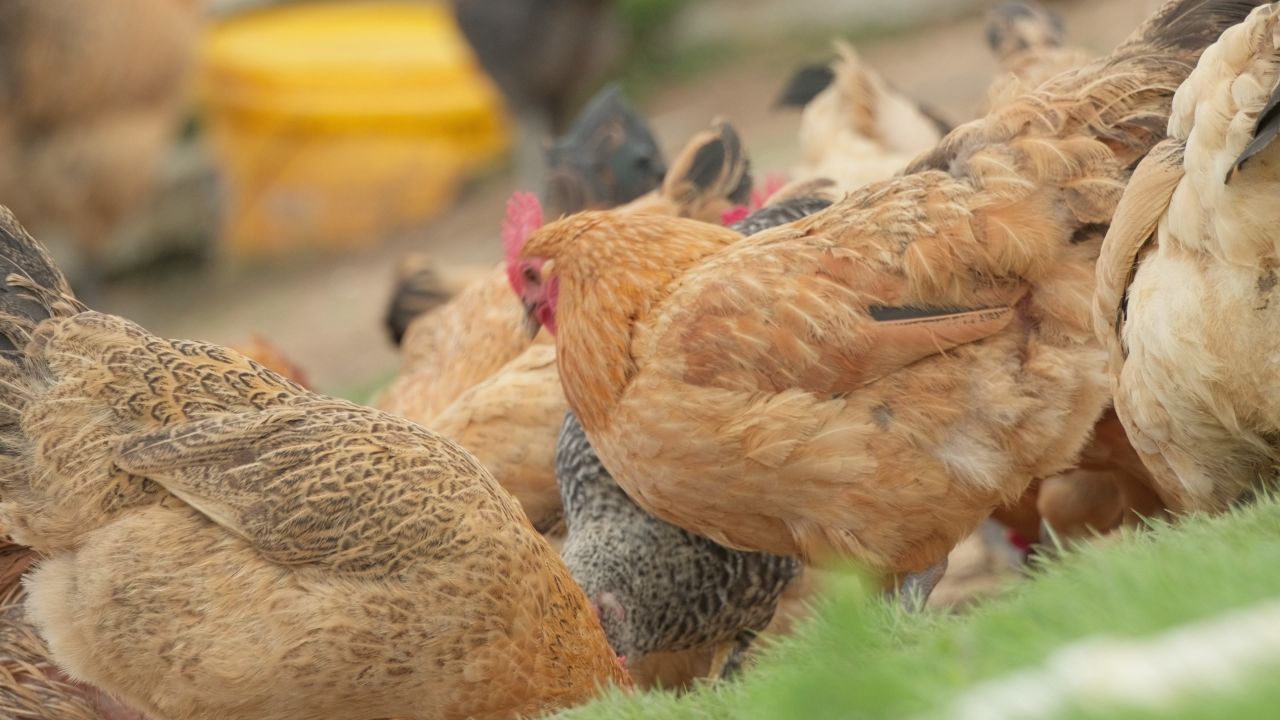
x=712, y=166
x=418, y=290
x=33, y=288
x=804, y=85
x=1191, y=25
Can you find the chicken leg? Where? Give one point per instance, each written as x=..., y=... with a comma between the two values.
x=915, y=588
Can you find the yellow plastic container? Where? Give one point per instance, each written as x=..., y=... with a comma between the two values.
x=339, y=124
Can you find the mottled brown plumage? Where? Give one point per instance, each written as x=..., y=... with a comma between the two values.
x=221, y=543
x=263, y=352
x=874, y=379
x=1186, y=300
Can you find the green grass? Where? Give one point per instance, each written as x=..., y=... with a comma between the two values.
x=862, y=658
x=363, y=391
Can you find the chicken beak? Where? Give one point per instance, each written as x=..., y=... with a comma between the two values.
x=531, y=324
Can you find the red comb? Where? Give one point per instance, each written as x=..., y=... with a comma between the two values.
x=524, y=215
x=773, y=182
x=734, y=214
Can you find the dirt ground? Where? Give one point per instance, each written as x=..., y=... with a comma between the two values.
x=325, y=312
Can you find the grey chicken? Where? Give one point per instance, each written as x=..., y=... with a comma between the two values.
x=656, y=587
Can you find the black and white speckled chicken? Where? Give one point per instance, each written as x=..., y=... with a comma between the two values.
x=541, y=54
x=656, y=587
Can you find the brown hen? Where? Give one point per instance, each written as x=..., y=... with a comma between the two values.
x=472, y=373
x=874, y=379
x=221, y=543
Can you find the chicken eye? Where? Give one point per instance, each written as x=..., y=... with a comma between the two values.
x=531, y=275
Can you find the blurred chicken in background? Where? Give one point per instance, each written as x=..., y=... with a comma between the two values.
x=90, y=98
x=609, y=157
x=1027, y=40
x=541, y=54
x=855, y=128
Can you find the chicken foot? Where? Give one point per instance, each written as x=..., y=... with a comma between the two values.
x=914, y=589
x=730, y=656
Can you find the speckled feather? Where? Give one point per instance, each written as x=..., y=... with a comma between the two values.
x=667, y=589
x=757, y=400
x=222, y=543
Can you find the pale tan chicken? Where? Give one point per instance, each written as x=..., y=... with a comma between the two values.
x=1187, y=281
x=506, y=421
x=221, y=543
x=858, y=129
x=875, y=379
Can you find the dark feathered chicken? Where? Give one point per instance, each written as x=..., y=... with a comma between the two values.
x=608, y=158
x=656, y=587
x=541, y=53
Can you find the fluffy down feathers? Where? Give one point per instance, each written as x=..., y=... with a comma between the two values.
x=1186, y=284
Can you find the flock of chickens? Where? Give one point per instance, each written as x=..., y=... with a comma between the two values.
x=1057, y=315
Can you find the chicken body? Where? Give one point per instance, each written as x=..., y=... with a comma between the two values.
x=657, y=587
x=221, y=543
x=874, y=379
x=1187, y=299
x=507, y=421
x=858, y=130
